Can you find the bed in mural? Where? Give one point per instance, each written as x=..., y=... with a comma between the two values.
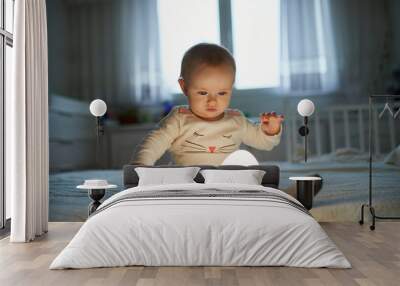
x=345, y=188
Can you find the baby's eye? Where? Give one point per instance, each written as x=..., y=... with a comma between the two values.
x=222, y=93
x=197, y=134
x=202, y=92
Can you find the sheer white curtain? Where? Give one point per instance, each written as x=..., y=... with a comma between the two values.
x=114, y=51
x=308, y=60
x=27, y=124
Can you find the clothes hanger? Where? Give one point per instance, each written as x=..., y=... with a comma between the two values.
x=397, y=113
x=387, y=107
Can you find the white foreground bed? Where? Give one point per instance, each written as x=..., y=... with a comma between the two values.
x=264, y=229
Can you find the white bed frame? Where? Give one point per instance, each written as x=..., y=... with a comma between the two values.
x=344, y=126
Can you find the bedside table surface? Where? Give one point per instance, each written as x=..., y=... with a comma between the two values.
x=305, y=178
x=96, y=187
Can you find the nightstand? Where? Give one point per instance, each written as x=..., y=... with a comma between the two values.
x=96, y=190
x=305, y=187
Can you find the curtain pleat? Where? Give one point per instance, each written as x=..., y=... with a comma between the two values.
x=115, y=52
x=29, y=159
x=308, y=59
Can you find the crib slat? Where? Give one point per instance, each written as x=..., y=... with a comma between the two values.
x=294, y=137
x=332, y=131
x=392, y=133
x=318, y=134
x=376, y=131
x=346, y=127
x=361, y=129
x=288, y=140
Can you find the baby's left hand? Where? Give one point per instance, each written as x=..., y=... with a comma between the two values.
x=271, y=122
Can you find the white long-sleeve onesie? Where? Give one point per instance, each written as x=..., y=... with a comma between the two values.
x=194, y=141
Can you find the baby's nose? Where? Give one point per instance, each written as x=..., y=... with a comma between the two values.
x=211, y=103
x=212, y=97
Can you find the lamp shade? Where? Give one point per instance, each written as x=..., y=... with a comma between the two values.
x=240, y=157
x=305, y=107
x=98, y=107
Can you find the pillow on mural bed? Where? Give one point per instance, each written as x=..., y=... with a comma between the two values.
x=393, y=158
x=163, y=176
x=248, y=177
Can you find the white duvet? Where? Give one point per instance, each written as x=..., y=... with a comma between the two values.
x=200, y=231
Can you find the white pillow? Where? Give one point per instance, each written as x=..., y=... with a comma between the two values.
x=248, y=177
x=163, y=176
x=394, y=157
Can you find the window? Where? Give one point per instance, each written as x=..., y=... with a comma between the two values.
x=6, y=62
x=183, y=24
x=254, y=40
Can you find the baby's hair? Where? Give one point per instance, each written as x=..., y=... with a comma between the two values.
x=205, y=53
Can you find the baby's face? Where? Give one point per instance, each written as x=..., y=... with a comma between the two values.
x=209, y=90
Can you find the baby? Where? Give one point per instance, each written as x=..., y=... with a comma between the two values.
x=206, y=131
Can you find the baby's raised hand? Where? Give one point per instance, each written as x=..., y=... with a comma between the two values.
x=271, y=122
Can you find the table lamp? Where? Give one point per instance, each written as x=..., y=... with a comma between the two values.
x=305, y=108
x=240, y=157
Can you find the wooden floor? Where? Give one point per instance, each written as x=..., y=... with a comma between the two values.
x=374, y=255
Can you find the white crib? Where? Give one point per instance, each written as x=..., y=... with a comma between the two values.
x=343, y=126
